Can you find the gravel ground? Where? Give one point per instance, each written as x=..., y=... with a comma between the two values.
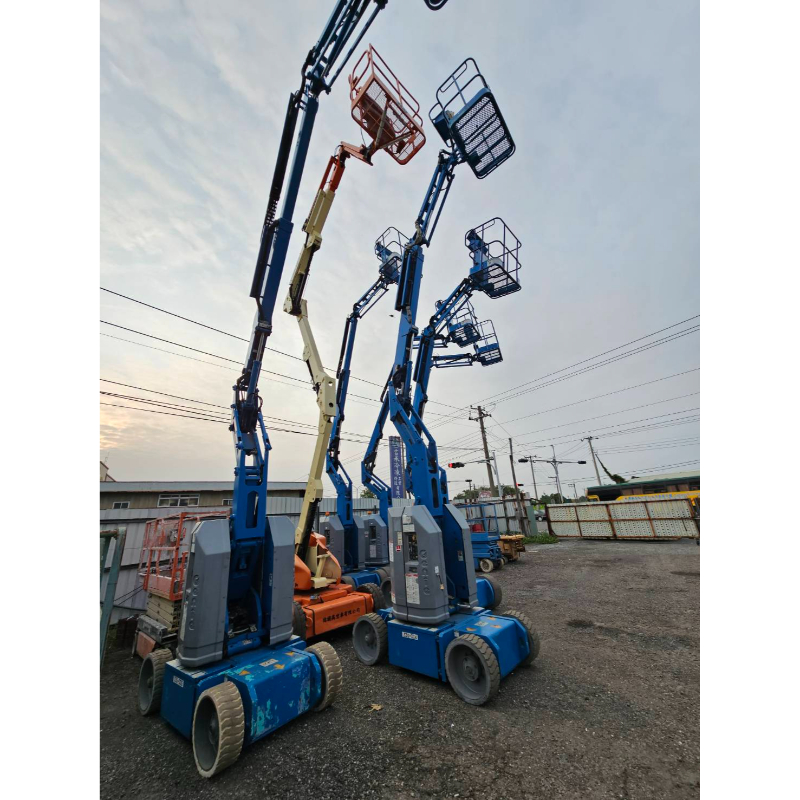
x=610, y=709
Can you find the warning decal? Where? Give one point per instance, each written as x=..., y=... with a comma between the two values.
x=412, y=588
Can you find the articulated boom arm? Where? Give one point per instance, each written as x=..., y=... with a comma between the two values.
x=336, y=471
x=324, y=384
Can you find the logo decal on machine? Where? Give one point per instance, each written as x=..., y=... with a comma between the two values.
x=407, y=635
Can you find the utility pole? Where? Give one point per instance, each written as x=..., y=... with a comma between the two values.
x=554, y=462
x=481, y=416
x=594, y=460
x=530, y=459
x=516, y=488
x=497, y=476
x=574, y=490
x=555, y=467
x=535, y=490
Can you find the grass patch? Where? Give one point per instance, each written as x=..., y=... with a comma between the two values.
x=541, y=538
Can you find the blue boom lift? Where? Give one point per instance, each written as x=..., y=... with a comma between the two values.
x=435, y=626
x=239, y=672
x=360, y=542
x=494, y=253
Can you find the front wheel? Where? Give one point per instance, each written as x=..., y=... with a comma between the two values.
x=534, y=643
x=374, y=591
x=472, y=669
x=331, y=672
x=486, y=565
x=370, y=639
x=217, y=729
x=151, y=680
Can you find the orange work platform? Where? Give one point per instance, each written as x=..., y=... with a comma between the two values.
x=385, y=109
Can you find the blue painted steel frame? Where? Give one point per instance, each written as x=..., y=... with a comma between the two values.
x=422, y=648
x=338, y=475
x=249, y=524
x=277, y=684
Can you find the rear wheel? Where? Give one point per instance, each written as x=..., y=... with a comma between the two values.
x=386, y=586
x=217, y=728
x=533, y=637
x=370, y=639
x=299, y=622
x=331, y=672
x=497, y=591
x=486, y=565
x=472, y=669
x=374, y=591
x=348, y=580
x=151, y=681
x=500, y=563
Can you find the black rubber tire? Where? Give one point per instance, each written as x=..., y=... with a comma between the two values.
x=331, y=672
x=534, y=642
x=348, y=580
x=504, y=559
x=374, y=591
x=151, y=681
x=500, y=563
x=485, y=565
x=299, y=622
x=469, y=656
x=370, y=639
x=217, y=729
x=498, y=594
x=386, y=591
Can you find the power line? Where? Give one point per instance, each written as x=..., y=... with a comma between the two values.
x=665, y=340
x=600, y=416
x=588, y=399
x=192, y=400
x=220, y=421
x=217, y=330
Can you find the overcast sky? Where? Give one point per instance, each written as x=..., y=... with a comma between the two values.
x=602, y=99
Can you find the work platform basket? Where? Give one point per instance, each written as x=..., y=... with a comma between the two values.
x=487, y=348
x=385, y=109
x=389, y=248
x=463, y=328
x=495, y=258
x=467, y=116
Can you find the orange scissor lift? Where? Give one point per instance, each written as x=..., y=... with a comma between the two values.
x=390, y=117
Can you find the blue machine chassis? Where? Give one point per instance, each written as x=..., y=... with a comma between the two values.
x=421, y=648
x=370, y=575
x=277, y=684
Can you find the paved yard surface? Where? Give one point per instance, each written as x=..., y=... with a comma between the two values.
x=610, y=708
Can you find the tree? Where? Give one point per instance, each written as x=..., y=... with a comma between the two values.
x=615, y=478
x=367, y=494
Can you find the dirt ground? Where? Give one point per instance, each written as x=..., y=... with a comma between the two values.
x=610, y=709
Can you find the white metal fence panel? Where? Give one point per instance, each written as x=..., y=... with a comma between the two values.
x=627, y=510
x=565, y=513
x=642, y=519
x=565, y=529
x=638, y=529
x=597, y=530
x=595, y=511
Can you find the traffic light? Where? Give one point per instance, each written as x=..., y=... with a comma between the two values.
x=455, y=465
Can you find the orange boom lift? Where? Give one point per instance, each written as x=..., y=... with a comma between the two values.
x=390, y=117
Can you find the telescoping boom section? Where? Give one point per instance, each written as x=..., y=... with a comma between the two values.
x=435, y=626
x=239, y=672
x=388, y=113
